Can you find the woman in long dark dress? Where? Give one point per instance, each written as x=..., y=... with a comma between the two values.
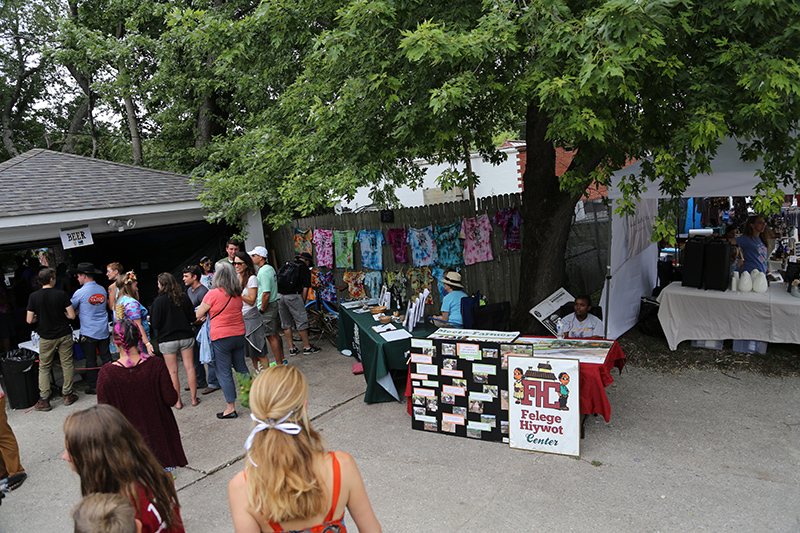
x=141, y=388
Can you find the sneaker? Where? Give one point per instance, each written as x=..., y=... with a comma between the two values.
x=285, y=361
x=273, y=363
x=42, y=405
x=209, y=390
x=311, y=349
x=293, y=351
x=69, y=399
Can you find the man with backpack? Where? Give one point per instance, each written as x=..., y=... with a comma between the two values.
x=294, y=280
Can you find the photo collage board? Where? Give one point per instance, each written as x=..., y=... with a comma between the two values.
x=460, y=387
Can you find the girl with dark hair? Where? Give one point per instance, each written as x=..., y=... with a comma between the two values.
x=172, y=315
x=110, y=456
x=140, y=387
x=255, y=346
x=754, y=244
x=290, y=483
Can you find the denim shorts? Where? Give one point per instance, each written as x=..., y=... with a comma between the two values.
x=176, y=346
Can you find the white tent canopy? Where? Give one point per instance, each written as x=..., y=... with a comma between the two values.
x=632, y=262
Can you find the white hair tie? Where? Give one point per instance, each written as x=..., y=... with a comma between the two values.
x=289, y=428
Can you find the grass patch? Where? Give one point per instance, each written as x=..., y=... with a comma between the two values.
x=653, y=353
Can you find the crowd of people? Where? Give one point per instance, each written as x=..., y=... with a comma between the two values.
x=125, y=447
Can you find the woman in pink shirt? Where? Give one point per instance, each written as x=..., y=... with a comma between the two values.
x=223, y=305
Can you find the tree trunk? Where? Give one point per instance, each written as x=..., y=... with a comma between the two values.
x=75, y=126
x=547, y=212
x=8, y=134
x=133, y=125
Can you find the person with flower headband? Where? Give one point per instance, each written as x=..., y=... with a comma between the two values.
x=127, y=306
x=290, y=483
x=141, y=388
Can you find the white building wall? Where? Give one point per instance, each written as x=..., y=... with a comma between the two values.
x=494, y=180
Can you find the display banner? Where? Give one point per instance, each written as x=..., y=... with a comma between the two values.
x=76, y=237
x=544, y=413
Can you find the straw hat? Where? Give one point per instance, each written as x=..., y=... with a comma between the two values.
x=453, y=279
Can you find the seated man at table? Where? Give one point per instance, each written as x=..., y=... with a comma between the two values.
x=581, y=324
x=451, y=303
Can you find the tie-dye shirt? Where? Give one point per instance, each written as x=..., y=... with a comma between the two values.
x=423, y=247
x=343, y=248
x=477, y=244
x=449, y=247
x=302, y=241
x=372, y=282
x=420, y=279
x=372, y=242
x=326, y=285
x=323, y=240
x=509, y=220
x=355, y=284
x=397, y=238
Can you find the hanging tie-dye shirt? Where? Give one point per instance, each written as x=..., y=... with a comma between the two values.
x=343, y=248
x=509, y=220
x=420, y=279
x=302, y=240
x=449, y=247
x=397, y=238
x=477, y=244
x=326, y=286
x=323, y=240
x=355, y=284
x=372, y=282
x=423, y=247
x=372, y=242
x=438, y=275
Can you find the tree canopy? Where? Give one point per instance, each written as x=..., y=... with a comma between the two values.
x=290, y=106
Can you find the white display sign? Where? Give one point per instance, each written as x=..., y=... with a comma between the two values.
x=545, y=312
x=76, y=237
x=543, y=407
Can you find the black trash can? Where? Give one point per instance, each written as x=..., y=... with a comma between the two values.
x=21, y=375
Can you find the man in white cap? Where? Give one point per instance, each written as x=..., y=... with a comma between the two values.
x=451, y=303
x=267, y=301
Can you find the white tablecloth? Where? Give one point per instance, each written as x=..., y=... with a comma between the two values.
x=687, y=313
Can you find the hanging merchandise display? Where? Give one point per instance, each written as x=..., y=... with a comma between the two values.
x=372, y=242
x=477, y=244
x=509, y=221
x=396, y=283
x=302, y=241
x=323, y=240
x=343, y=248
x=397, y=239
x=355, y=284
x=420, y=279
x=372, y=282
x=423, y=246
x=449, y=248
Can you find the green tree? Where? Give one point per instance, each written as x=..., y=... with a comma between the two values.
x=616, y=79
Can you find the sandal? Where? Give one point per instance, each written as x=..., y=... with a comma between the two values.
x=196, y=403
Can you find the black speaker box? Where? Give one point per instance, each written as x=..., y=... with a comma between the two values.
x=693, y=257
x=717, y=265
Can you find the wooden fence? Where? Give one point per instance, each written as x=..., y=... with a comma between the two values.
x=497, y=279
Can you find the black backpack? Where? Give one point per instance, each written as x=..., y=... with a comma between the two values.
x=289, y=277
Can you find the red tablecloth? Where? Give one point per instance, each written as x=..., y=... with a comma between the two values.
x=594, y=378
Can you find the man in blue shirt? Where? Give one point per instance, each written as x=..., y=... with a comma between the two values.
x=90, y=303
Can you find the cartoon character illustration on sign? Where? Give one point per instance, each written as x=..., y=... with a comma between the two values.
x=519, y=390
x=563, y=392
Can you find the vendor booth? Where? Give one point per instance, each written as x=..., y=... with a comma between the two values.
x=633, y=258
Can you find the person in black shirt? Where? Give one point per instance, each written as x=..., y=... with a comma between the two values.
x=51, y=311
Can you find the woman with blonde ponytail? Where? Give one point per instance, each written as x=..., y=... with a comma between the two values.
x=290, y=483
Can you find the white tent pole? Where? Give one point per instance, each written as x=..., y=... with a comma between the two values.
x=608, y=271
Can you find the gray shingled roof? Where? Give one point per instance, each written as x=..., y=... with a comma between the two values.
x=42, y=181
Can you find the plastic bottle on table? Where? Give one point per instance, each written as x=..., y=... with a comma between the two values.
x=559, y=329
